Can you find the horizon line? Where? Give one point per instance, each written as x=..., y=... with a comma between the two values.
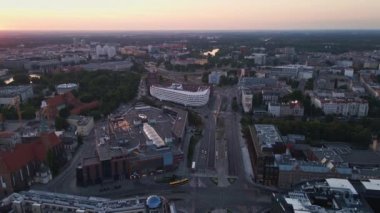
x=190, y=30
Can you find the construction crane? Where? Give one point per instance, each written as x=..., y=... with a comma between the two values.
x=43, y=115
x=16, y=104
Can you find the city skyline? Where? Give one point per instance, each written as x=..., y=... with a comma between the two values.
x=189, y=15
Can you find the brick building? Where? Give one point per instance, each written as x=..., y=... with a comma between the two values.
x=19, y=165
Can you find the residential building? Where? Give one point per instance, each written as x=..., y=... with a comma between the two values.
x=214, y=77
x=9, y=93
x=83, y=124
x=111, y=65
x=270, y=96
x=9, y=140
x=349, y=72
x=344, y=63
x=368, y=78
x=293, y=171
x=292, y=71
x=3, y=72
x=259, y=58
x=370, y=190
x=341, y=105
x=105, y=52
x=293, y=108
x=257, y=83
x=247, y=100
x=178, y=93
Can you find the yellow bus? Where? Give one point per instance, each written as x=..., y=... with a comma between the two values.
x=179, y=182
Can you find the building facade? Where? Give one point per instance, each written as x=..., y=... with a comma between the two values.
x=286, y=109
x=342, y=106
x=40, y=202
x=175, y=93
x=9, y=93
x=20, y=165
x=246, y=100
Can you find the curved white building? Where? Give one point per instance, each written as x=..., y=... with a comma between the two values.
x=175, y=93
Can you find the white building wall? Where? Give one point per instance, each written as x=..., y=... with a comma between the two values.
x=274, y=110
x=247, y=101
x=187, y=98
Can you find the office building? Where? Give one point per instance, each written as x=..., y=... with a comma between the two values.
x=267, y=142
x=133, y=143
x=194, y=96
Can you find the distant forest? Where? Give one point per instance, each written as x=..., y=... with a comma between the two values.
x=319, y=41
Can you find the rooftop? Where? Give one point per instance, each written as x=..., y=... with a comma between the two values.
x=141, y=131
x=93, y=204
x=371, y=184
x=11, y=91
x=268, y=135
x=330, y=195
x=341, y=183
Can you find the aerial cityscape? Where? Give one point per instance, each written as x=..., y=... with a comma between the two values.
x=189, y=106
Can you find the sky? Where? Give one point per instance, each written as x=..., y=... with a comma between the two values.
x=122, y=15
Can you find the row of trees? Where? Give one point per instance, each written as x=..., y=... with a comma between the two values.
x=316, y=130
x=110, y=88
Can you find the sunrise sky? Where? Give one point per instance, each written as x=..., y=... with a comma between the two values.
x=188, y=14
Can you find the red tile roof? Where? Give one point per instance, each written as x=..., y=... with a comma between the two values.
x=69, y=99
x=84, y=106
x=6, y=134
x=24, y=153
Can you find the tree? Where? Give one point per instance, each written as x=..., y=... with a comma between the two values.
x=234, y=104
x=61, y=123
x=21, y=79
x=64, y=113
x=194, y=119
x=257, y=99
x=80, y=140
x=205, y=77
x=309, y=84
x=52, y=163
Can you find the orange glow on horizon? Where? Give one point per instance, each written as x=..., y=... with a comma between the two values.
x=189, y=14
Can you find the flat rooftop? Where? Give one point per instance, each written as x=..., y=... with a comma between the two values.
x=268, y=135
x=341, y=183
x=330, y=195
x=138, y=131
x=11, y=91
x=371, y=184
x=95, y=204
